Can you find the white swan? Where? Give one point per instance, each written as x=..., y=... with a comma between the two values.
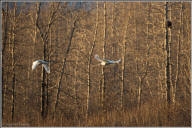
x=44, y=63
x=105, y=61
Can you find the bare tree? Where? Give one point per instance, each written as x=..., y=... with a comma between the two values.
x=44, y=32
x=4, y=42
x=104, y=45
x=89, y=64
x=13, y=61
x=64, y=64
x=5, y=15
x=178, y=55
x=142, y=75
x=123, y=58
x=168, y=67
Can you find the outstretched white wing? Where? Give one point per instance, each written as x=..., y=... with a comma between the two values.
x=35, y=63
x=113, y=62
x=99, y=59
x=44, y=63
x=105, y=61
x=46, y=68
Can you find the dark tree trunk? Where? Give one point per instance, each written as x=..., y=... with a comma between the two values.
x=64, y=64
x=168, y=60
x=44, y=37
x=5, y=17
x=13, y=64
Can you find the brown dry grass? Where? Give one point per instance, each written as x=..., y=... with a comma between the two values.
x=149, y=114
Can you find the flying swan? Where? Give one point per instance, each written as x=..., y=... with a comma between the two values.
x=44, y=63
x=105, y=61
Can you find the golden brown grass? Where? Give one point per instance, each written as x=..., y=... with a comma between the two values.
x=154, y=114
x=149, y=114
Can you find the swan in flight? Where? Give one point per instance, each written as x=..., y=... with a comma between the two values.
x=105, y=61
x=44, y=63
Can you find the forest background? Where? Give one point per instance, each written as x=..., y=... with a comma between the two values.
x=150, y=87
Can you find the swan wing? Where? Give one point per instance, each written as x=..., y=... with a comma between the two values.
x=113, y=62
x=99, y=59
x=35, y=63
x=46, y=68
x=43, y=62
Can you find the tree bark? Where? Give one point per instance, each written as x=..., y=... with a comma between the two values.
x=13, y=64
x=123, y=60
x=168, y=66
x=102, y=71
x=63, y=67
x=5, y=17
x=89, y=65
x=44, y=37
x=178, y=64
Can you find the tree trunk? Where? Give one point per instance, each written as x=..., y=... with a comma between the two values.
x=137, y=65
x=75, y=89
x=13, y=64
x=89, y=65
x=139, y=94
x=168, y=66
x=43, y=84
x=102, y=71
x=123, y=60
x=49, y=45
x=112, y=37
x=5, y=14
x=5, y=17
x=64, y=64
x=44, y=37
x=178, y=64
